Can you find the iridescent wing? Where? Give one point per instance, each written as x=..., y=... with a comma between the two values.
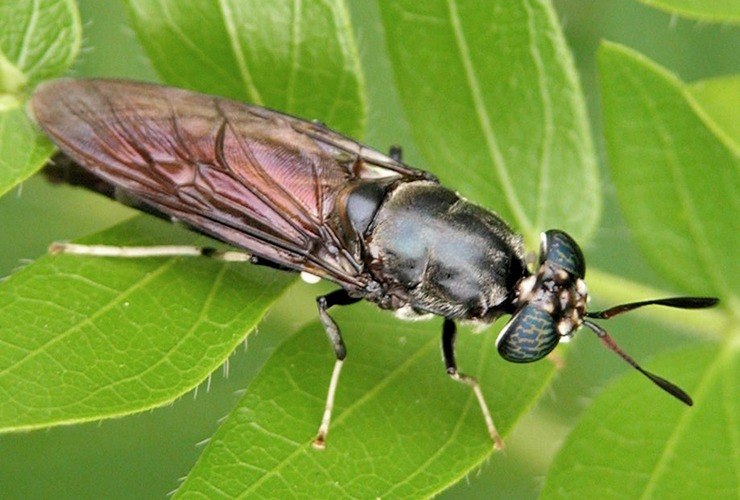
x=252, y=177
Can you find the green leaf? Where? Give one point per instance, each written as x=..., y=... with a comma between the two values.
x=707, y=10
x=494, y=101
x=22, y=149
x=671, y=171
x=168, y=30
x=401, y=427
x=38, y=40
x=678, y=183
x=114, y=337
x=89, y=338
x=720, y=98
x=664, y=449
x=298, y=57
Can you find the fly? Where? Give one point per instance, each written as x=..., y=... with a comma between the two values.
x=297, y=196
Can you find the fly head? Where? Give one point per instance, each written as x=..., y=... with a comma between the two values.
x=549, y=305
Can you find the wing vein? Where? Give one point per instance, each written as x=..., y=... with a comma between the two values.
x=264, y=176
x=224, y=164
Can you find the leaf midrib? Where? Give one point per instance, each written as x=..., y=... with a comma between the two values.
x=116, y=301
x=494, y=151
x=702, y=245
x=236, y=49
x=679, y=430
x=348, y=411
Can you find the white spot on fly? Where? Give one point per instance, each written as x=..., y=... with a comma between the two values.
x=478, y=326
x=309, y=278
x=525, y=288
x=407, y=313
x=565, y=326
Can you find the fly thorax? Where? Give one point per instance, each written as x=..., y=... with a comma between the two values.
x=357, y=205
x=448, y=256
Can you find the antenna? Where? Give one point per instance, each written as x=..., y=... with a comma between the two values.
x=677, y=302
x=608, y=341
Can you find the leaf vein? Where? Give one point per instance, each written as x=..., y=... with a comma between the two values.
x=27, y=34
x=164, y=358
x=679, y=430
x=548, y=125
x=393, y=374
x=241, y=62
x=702, y=245
x=91, y=319
x=494, y=150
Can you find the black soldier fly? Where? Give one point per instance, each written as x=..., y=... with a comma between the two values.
x=297, y=196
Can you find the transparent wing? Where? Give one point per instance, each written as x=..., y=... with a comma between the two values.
x=251, y=177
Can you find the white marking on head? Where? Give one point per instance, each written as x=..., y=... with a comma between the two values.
x=581, y=287
x=565, y=326
x=525, y=288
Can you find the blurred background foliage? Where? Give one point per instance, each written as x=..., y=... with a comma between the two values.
x=142, y=456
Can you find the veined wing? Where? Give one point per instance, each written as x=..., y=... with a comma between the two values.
x=246, y=175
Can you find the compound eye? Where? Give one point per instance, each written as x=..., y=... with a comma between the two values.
x=561, y=251
x=529, y=336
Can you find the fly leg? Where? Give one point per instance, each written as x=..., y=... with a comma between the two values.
x=134, y=252
x=335, y=298
x=449, y=332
